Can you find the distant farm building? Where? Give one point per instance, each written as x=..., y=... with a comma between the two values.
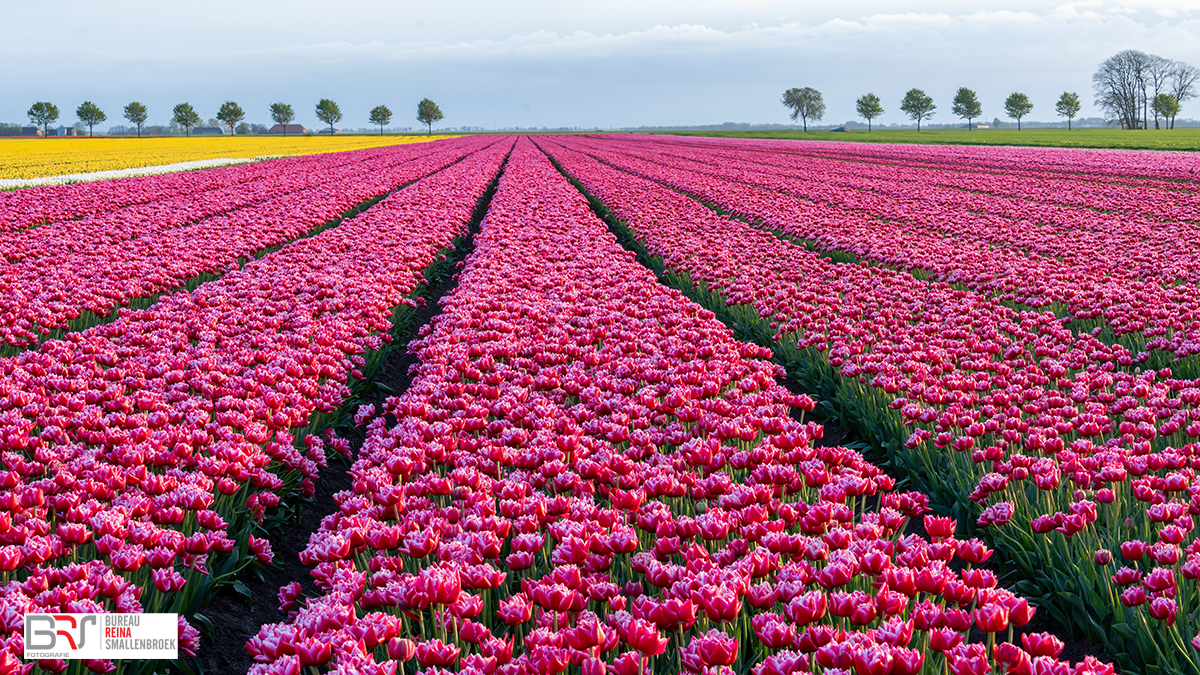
x=291, y=129
x=982, y=126
x=63, y=131
x=31, y=131
x=207, y=131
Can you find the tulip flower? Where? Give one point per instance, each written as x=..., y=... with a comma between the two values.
x=1163, y=609
x=716, y=649
x=874, y=660
x=593, y=666
x=314, y=653
x=907, y=661
x=645, y=638
x=944, y=639
x=1042, y=644
x=628, y=663
x=400, y=649
x=436, y=653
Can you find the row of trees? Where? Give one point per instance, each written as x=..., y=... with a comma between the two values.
x=808, y=104
x=44, y=113
x=1129, y=86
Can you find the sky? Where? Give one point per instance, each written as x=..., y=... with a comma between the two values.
x=618, y=63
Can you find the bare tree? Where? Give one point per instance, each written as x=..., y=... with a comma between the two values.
x=1158, y=73
x=1120, y=86
x=1184, y=81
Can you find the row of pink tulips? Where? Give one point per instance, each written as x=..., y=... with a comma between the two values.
x=1159, y=242
x=1102, y=168
x=81, y=286
x=34, y=206
x=590, y=472
x=144, y=458
x=1032, y=430
x=1144, y=315
x=185, y=208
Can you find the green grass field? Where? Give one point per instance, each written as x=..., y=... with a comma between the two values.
x=1175, y=139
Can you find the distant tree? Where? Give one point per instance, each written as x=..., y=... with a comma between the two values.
x=380, y=115
x=966, y=105
x=428, y=112
x=1016, y=106
x=136, y=112
x=1120, y=84
x=1157, y=77
x=258, y=129
x=805, y=103
x=869, y=107
x=1068, y=106
x=917, y=105
x=230, y=113
x=1184, y=81
x=1166, y=106
x=212, y=123
x=43, y=114
x=282, y=114
x=329, y=113
x=90, y=114
x=185, y=116
x=243, y=129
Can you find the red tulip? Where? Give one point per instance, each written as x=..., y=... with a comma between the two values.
x=593, y=666
x=944, y=639
x=907, y=661
x=716, y=648
x=873, y=660
x=400, y=649
x=1042, y=644
x=645, y=638
x=314, y=653
x=628, y=663
x=435, y=653
x=1163, y=609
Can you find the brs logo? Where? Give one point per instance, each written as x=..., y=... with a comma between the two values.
x=42, y=631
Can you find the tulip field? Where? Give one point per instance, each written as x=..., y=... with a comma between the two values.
x=28, y=158
x=601, y=461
